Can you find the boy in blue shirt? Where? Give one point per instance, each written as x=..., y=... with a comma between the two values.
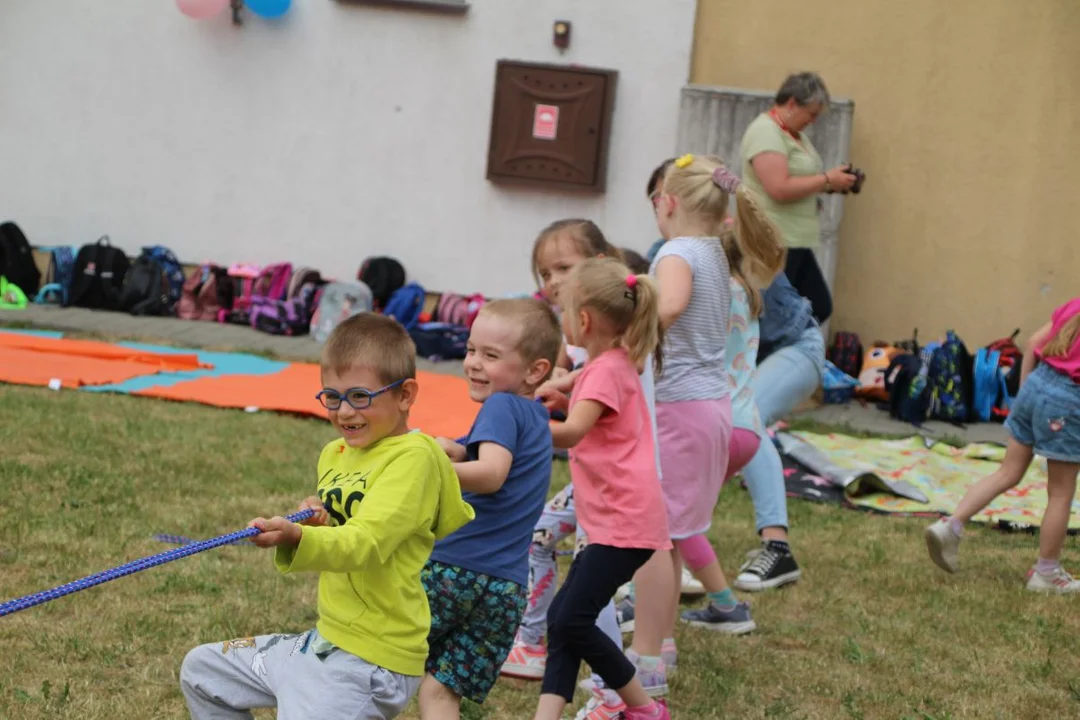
x=477, y=578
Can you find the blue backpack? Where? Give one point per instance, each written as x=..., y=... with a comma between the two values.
x=57, y=283
x=949, y=378
x=153, y=284
x=405, y=305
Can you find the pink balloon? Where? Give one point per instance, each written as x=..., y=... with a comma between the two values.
x=202, y=9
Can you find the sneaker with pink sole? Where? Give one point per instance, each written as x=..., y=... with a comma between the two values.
x=525, y=661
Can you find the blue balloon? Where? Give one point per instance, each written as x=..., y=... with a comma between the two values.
x=268, y=8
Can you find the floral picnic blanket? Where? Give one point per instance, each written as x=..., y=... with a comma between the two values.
x=941, y=472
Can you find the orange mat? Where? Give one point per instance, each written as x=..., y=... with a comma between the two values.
x=31, y=360
x=442, y=407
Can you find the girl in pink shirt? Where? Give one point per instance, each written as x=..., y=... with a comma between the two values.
x=1044, y=419
x=613, y=314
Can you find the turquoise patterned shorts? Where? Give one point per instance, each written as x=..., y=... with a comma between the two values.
x=474, y=618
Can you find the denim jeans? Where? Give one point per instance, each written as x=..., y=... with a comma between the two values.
x=786, y=378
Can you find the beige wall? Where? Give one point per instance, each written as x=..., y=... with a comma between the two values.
x=967, y=122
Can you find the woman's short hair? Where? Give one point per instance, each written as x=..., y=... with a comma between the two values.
x=806, y=88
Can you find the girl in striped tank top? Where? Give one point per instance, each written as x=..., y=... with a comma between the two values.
x=693, y=403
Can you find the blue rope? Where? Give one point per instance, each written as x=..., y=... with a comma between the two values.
x=29, y=601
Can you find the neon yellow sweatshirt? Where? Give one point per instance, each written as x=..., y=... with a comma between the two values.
x=388, y=503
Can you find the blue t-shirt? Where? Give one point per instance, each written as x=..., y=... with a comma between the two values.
x=497, y=542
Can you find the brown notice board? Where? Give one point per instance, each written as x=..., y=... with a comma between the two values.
x=550, y=125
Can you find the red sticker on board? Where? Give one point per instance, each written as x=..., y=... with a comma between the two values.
x=546, y=122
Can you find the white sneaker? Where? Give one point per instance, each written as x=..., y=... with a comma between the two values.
x=622, y=593
x=690, y=584
x=943, y=545
x=1058, y=582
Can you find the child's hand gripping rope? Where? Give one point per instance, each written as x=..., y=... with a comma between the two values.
x=39, y=598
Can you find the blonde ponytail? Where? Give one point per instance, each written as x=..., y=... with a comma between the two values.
x=763, y=255
x=1060, y=343
x=643, y=336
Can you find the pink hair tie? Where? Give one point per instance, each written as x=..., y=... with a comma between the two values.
x=631, y=281
x=726, y=180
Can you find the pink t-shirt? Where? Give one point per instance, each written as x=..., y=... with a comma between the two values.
x=1067, y=364
x=616, y=487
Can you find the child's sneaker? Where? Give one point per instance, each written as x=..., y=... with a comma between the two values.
x=658, y=712
x=525, y=661
x=736, y=621
x=603, y=705
x=624, y=592
x=670, y=655
x=624, y=615
x=1058, y=582
x=690, y=584
x=770, y=567
x=943, y=545
x=654, y=681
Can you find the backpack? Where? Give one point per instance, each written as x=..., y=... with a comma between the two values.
x=57, y=283
x=339, y=301
x=405, y=305
x=17, y=259
x=302, y=277
x=1009, y=361
x=988, y=383
x=452, y=309
x=273, y=282
x=440, y=340
x=385, y=276
x=243, y=279
x=153, y=284
x=950, y=380
x=206, y=292
x=909, y=394
x=475, y=303
x=98, y=277
x=284, y=317
x=846, y=353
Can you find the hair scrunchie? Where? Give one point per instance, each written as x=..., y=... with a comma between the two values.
x=726, y=180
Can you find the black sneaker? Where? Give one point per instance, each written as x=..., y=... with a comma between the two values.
x=770, y=567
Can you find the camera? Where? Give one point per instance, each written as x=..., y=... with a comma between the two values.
x=860, y=177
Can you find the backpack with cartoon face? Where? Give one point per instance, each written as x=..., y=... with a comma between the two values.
x=339, y=301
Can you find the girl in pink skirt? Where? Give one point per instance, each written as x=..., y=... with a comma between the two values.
x=693, y=403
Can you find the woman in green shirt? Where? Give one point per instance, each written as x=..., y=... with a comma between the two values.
x=781, y=165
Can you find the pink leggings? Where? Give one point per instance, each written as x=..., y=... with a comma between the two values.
x=696, y=551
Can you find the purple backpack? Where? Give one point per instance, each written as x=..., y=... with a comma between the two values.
x=285, y=317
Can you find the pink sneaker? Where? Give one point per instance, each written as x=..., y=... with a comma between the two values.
x=525, y=661
x=658, y=711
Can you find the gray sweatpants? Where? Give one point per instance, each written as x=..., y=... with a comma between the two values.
x=222, y=681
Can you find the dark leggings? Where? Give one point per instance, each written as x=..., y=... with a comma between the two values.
x=596, y=573
x=804, y=273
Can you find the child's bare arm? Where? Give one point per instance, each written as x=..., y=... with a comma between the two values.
x=580, y=421
x=488, y=472
x=1035, y=342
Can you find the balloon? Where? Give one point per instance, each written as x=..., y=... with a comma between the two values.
x=268, y=8
x=202, y=9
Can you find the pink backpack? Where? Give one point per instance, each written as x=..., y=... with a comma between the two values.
x=475, y=302
x=452, y=308
x=273, y=282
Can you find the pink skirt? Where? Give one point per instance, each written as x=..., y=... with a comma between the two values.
x=694, y=438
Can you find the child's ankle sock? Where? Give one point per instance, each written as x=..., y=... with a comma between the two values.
x=956, y=526
x=725, y=599
x=1047, y=567
x=648, y=663
x=652, y=710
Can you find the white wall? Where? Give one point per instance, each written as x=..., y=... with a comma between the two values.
x=342, y=131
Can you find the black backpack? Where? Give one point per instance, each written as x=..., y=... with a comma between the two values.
x=153, y=284
x=385, y=276
x=100, y=270
x=909, y=396
x=846, y=353
x=17, y=260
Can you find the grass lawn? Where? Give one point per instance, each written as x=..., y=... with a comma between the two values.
x=872, y=631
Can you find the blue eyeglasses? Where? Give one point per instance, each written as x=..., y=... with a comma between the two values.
x=358, y=398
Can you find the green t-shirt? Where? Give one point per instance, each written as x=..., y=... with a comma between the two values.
x=797, y=221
